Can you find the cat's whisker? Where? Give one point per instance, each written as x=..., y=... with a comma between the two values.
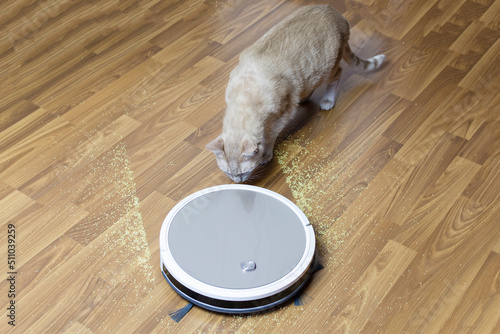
x=260, y=171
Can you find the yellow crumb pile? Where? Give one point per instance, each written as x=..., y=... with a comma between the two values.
x=316, y=176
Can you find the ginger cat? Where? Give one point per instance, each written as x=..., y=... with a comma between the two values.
x=282, y=69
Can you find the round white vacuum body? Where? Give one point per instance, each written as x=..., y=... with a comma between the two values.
x=236, y=248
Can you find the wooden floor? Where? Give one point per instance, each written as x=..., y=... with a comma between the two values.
x=105, y=109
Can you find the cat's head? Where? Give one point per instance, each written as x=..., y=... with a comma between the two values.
x=238, y=158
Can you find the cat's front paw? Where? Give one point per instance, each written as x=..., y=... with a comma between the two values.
x=327, y=104
x=266, y=161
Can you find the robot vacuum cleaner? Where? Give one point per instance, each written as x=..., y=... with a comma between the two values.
x=236, y=249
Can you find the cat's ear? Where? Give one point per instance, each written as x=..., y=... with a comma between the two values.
x=249, y=149
x=216, y=145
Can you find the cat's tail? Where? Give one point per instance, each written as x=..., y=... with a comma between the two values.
x=361, y=64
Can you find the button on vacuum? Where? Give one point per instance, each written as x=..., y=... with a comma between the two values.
x=248, y=265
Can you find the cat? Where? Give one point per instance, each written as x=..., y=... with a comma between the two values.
x=275, y=74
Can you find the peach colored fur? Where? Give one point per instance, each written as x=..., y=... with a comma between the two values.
x=275, y=74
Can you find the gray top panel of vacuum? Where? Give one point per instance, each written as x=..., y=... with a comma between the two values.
x=236, y=238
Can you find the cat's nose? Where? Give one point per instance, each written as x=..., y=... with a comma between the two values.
x=244, y=176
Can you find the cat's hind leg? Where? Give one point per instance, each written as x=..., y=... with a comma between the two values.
x=307, y=98
x=328, y=100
